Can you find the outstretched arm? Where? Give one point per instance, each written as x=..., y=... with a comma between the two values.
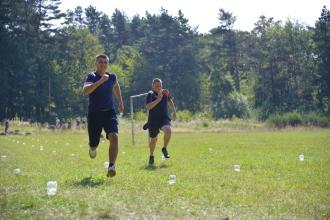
x=117, y=92
x=172, y=106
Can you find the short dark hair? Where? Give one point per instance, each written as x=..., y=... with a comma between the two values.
x=101, y=56
x=156, y=80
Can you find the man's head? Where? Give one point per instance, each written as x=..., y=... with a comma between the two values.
x=157, y=85
x=101, y=62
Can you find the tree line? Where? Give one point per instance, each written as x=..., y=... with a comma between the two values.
x=45, y=55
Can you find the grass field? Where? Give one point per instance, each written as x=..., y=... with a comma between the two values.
x=272, y=183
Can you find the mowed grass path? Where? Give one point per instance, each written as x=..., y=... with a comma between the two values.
x=272, y=184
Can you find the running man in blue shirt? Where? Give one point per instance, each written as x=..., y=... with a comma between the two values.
x=157, y=102
x=100, y=86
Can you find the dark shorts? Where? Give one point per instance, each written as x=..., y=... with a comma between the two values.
x=98, y=120
x=154, y=129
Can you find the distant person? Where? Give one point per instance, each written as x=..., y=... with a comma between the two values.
x=100, y=86
x=157, y=102
x=69, y=124
x=62, y=123
x=57, y=123
x=6, y=126
x=78, y=122
x=83, y=123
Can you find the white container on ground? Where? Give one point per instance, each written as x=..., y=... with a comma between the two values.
x=171, y=179
x=17, y=171
x=106, y=165
x=237, y=168
x=301, y=157
x=51, y=188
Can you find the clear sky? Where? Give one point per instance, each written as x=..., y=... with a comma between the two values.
x=204, y=13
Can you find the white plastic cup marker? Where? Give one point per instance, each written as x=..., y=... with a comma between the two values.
x=171, y=179
x=51, y=188
x=237, y=168
x=17, y=171
x=106, y=165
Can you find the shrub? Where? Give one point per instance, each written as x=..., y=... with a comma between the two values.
x=141, y=115
x=290, y=118
x=235, y=104
x=293, y=118
x=316, y=119
x=207, y=115
x=205, y=124
x=265, y=111
x=277, y=121
x=296, y=119
x=311, y=119
x=184, y=115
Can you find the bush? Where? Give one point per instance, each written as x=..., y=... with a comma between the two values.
x=277, y=121
x=265, y=111
x=315, y=119
x=293, y=118
x=205, y=124
x=207, y=115
x=233, y=105
x=296, y=119
x=311, y=119
x=184, y=115
x=141, y=116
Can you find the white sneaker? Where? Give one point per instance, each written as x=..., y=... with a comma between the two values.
x=111, y=171
x=92, y=152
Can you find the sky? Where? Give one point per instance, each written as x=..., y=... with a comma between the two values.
x=204, y=13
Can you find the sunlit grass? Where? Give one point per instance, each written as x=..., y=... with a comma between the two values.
x=272, y=184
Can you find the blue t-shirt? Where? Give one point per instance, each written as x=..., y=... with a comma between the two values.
x=102, y=97
x=159, y=113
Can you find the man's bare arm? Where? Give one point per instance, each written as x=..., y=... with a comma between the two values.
x=172, y=107
x=119, y=98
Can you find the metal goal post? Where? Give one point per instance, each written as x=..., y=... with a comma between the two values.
x=132, y=112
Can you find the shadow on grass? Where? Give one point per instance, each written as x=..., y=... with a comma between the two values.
x=149, y=167
x=108, y=216
x=89, y=182
x=154, y=167
x=163, y=165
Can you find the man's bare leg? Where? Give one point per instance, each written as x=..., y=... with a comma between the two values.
x=152, y=146
x=167, y=136
x=113, y=152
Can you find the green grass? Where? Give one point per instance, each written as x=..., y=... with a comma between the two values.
x=272, y=184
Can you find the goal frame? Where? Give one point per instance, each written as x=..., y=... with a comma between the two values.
x=132, y=112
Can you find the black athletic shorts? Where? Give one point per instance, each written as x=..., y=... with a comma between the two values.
x=154, y=129
x=101, y=119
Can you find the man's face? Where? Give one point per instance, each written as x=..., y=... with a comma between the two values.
x=102, y=64
x=157, y=86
